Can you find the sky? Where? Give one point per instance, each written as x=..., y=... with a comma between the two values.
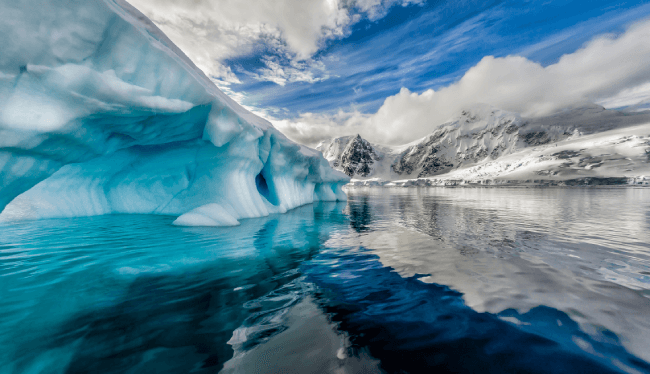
x=394, y=70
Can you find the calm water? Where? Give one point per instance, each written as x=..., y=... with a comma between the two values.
x=400, y=280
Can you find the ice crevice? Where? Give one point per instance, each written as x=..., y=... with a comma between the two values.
x=100, y=113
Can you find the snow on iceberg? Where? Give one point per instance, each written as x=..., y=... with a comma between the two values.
x=101, y=113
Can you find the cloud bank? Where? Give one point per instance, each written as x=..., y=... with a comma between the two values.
x=609, y=69
x=211, y=31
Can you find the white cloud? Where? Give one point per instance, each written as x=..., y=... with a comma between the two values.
x=376, y=9
x=634, y=96
x=310, y=128
x=281, y=72
x=607, y=69
x=210, y=31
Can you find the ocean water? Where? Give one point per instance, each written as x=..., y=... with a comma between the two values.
x=485, y=280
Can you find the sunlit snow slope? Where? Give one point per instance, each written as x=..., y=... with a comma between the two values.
x=101, y=113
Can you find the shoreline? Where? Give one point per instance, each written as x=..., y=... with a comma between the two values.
x=591, y=182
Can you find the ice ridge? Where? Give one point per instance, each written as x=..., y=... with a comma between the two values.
x=101, y=113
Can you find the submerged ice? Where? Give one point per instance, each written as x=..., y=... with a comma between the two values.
x=101, y=113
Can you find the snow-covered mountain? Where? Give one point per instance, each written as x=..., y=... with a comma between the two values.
x=353, y=155
x=484, y=136
x=101, y=113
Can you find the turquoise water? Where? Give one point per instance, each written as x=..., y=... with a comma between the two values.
x=394, y=280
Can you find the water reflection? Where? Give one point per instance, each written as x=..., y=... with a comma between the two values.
x=411, y=325
x=360, y=215
x=407, y=280
x=582, y=252
x=119, y=294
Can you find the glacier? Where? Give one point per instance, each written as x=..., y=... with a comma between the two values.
x=100, y=113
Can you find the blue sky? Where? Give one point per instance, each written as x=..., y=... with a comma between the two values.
x=431, y=45
x=322, y=68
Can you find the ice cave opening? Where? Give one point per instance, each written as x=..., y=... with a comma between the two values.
x=263, y=188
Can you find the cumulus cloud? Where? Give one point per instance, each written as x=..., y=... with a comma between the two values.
x=310, y=128
x=609, y=69
x=211, y=31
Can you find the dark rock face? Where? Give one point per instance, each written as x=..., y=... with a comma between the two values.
x=424, y=156
x=536, y=138
x=566, y=154
x=357, y=157
x=433, y=166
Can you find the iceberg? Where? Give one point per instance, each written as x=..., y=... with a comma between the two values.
x=100, y=113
